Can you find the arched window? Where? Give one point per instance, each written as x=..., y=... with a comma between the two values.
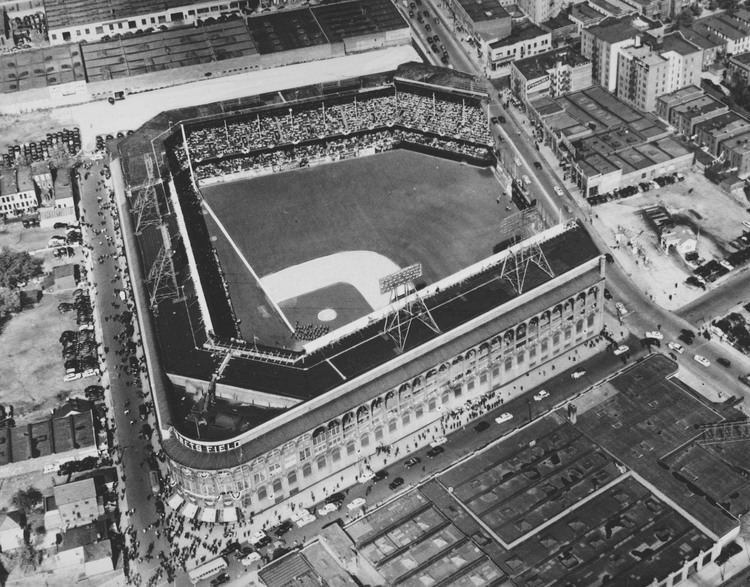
x=508, y=337
x=291, y=478
x=348, y=422
x=545, y=319
x=533, y=327
x=319, y=436
x=363, y=415
x=443, y=368
x=306, y=470
x=521, y=331
x=334, y=429
x=321, y=463
x=458, y=359
x=262, y=493
x=390, y=401
x=579, y=327
x=471, y=355
x=364, y=440
x=404, y=394
x=484, y=349
x=376, y=406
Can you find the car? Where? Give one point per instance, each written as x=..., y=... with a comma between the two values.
x=326, y=509
x=396, y=483
x=356, y=504
x=258, y=537
x=71, y=376
x=724, y=362
x=504, y=417
x=57, y=225
x=435, y=451
x=537, y=165
x=282, y=528
x=655, y=334
x=621, y=350
x=220, y=580
x=578, y=374
x=688, y=340
x=746, y=223
x=412, y=462
x=336, y=498
x=250, y=559
x=702, y=360
x=558, y=190
x=540, y=395
x=676, y=347
x=379, y=476
x=494, y=120
x=607, y=294
x=481, y=426
x=428, y=28
x=621, y=309
x=502, y=119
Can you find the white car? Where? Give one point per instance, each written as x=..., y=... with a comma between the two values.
x=305, y=519
x=746, y=223
x=356, y=504
x=257, y=537
x=540, y=395
x=71, y=377
x=621, y=350
x=702, y=360
x=578, y=374
x=558, y=190
x=621, y=310
x=655, y=334
x=328, y=508
x=504, y=417
x=676, y=347
x=250, y=559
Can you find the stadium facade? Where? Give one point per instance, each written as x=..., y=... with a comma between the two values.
x=248, y=426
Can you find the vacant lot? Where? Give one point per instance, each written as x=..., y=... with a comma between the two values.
x=31, y=366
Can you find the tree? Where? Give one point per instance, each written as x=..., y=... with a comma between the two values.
x=685, y=18
x=10, y=301
x=17, y=267
x=697, y=9
x=27, y=499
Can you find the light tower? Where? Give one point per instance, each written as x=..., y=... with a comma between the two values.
x=524, y=251
x=412, y=307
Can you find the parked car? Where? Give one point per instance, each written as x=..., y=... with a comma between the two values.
x=412, y=462
x=578, y=374
x=540, y=395
x=379, y=476
x=481, y=426
x=702, y=360
x=504, y=417
x=621, y=350
x=336, y=498
x=537, y=165
x=676, y=347
x=396, y=483
x=435, y=451
x=655, y=334
x=558, y=190
x=724, y=362
x=283, y=528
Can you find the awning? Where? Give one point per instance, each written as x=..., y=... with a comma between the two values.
x=190, y=510
x=208, y=515
x=229, y=514
x=175, y=501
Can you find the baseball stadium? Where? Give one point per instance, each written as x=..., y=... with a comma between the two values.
x=328, y=271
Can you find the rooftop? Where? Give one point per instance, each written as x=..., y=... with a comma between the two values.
x=584, y=13
x=721, y=123
x=679, y=44
x=699, y=107
x=743, y=58
x=74, y=492
x=560, y=21
x=519, y=34
x=341, y=20
x=645, y=55
x=723, y=25
x=607, y=8
x=8, y=183
x=703, y=38
x=165, y=50
x=483, y=10
x=739, y=144
x=538, y=65
x=40, y=67
x=682, y=95
x=614, y=30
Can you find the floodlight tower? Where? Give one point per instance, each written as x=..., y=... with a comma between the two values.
x=522, y=253
x=401, y=287
x=143, y=200
x=162, y=277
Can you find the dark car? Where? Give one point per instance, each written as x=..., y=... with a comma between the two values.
x=494, y=120
x=435, y=451
x=412, y=462
x=283, y=528
x=607, y=294
x=220, y=580
x=724, y=362
x=57, y=225
x=482, y=426
x=537, y=165
x=336, y=498
x=379, y=476
x=396, y=483
x=502, y=119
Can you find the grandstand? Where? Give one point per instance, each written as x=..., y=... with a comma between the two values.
x=244, y=368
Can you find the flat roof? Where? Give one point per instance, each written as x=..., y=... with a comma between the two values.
x=738, y=144
x=703, y=38
x=682, y=95
x=723, y=25
x=677, y=42
x=341, y=20
x=720, y=123
x=484, y=10
x=165, y=50
x=614, y=30
x=74, y=492
x=585, y=13
x=8, y=184
x=608, y=7
x=286, y=30
x=699, y=107
x=743, y=58
x=537, y=65
x=520, y=33
x=40, y=67
x=71, y=13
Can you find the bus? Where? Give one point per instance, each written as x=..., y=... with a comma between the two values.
x=207, y=570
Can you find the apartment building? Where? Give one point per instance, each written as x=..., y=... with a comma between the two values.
x=552, y=73
x=524, y=41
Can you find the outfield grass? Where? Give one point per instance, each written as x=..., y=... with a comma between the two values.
x=408, y=207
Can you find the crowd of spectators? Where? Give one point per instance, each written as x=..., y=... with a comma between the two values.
x=288, y=126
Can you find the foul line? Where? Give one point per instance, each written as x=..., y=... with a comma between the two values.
x=245, y=262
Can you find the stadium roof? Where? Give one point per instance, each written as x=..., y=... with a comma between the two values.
x=165, y=50
x=368, y=349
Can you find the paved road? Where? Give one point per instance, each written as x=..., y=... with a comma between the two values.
x=719, y=301
x=125, y=393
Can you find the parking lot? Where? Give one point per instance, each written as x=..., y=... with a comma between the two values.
x=714, y=216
